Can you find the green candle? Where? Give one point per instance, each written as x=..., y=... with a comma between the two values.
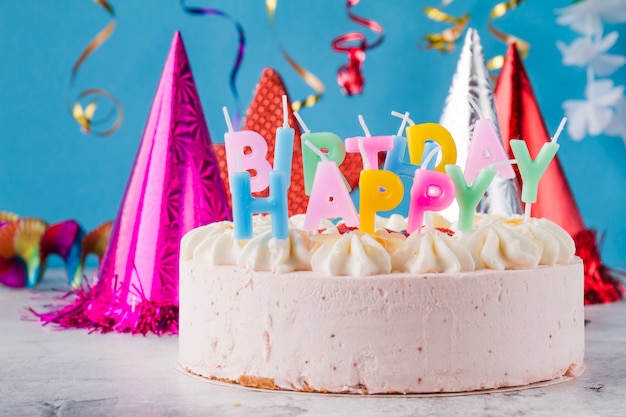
x=468, y=196
x=530, y=170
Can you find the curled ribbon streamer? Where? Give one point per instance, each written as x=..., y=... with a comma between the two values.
x=85, y=116
x=444, y=41
x=523, y=47
x=349, y=76
x=241, y=47
x=309, y=78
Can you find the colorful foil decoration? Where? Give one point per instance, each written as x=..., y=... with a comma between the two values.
x=85, y=116
x=520, y=117
x=95, y=242
x=264, y=115
x=20, y=260
x=497, y=12
x=174, y=187
x=354, y=44
x=471, y=82
x=65, y=239
x=241, y=47
x=309, y=78
x=446, y=40
x=26, y=244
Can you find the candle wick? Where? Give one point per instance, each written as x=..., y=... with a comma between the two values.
x=366, y=160
x=364, y=126
x=527, y=212
x=405, y=119
x=505, y=162
x=315, y=149
x=474, y=105
x=227, y=118
x=285, y=113
x=301, y=122
x=559, y=130
x=428, y=224
x=430, y=156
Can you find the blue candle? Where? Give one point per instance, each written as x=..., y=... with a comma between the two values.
x=245, y=205
x=283, y=151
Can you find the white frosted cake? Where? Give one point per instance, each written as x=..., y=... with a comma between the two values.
x=341, y=311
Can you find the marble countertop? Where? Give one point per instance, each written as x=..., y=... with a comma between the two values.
x=49, y=372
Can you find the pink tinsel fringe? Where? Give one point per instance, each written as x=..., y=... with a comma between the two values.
x=98, y=308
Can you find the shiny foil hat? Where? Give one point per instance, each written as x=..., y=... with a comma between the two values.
x=174, y=186
x=472, y=82
x=520, y=118
x=263, y=116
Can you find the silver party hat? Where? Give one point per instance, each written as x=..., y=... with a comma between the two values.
x=472, y=82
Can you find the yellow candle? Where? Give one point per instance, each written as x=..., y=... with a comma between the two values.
x=416, y=137
x=379, y=191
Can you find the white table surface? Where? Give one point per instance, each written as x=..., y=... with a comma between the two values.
x=49, y=372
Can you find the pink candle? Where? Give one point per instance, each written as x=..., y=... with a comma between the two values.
x=329, y=197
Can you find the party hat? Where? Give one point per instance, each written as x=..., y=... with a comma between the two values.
x=472, y=82
x=174, y=186
x=520, y=117
x=264, y=115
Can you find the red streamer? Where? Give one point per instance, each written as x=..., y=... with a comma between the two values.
x=354, y=44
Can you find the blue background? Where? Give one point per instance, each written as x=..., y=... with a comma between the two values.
x=49, y=169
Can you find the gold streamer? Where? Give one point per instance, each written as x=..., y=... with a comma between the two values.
x=310, y=79
x=523, y=47
x=84, y=116
x=444, y=41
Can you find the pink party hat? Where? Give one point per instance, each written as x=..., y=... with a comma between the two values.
x=174, y=186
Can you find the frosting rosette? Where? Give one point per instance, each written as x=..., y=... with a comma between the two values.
x=354, y=254
x=432, y=252
x=214, y=244
x=499, y=246
x=265, y=253
x=555, y=244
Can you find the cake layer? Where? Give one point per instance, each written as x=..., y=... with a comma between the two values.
x=393, y=333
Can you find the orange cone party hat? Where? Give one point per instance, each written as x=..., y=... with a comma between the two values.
x=264, y=115
x=520, y=118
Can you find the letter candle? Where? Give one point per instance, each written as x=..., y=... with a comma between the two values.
x=320, y=140
x=431, y=191
x=329, y=196
x=283, y=150
x=485, y=149
x=397, y=161
x=368, y=146
x=532, y=170
x=237, y=159
x=418, y=135
x=467, y=196
x=379, y=191
x=241, y=186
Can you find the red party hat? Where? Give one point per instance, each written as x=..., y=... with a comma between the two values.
x=264, y=115
x=174, y=186
x=520, y=118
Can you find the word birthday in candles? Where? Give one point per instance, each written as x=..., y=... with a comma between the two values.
x=419, y=171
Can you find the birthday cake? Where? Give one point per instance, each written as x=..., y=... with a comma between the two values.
x=342, y=311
